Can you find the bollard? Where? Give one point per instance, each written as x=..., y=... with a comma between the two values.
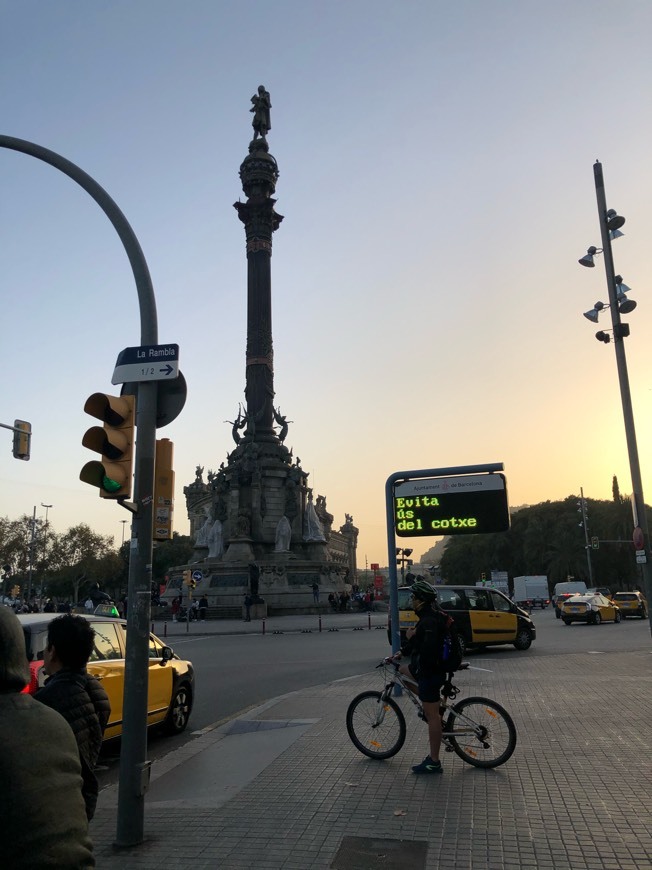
x=263, y=625
x=165, y=629
x=152, y=628
x=320, y=621
x=369, y=618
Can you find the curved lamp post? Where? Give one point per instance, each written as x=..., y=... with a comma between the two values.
x=134, y=769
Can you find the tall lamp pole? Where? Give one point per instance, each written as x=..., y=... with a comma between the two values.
x=45, y=539
x=610, y=222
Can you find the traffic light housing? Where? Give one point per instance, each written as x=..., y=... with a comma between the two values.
x=483, y=577
x=163, y=490
x=22, y=439
x=115, y=442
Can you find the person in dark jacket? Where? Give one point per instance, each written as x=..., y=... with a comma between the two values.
x=76, y=694
x=42, y=818
x=423, y=644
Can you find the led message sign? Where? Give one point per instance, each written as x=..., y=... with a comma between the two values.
x=470, y=504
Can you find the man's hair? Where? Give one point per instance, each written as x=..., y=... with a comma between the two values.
x=73, y=638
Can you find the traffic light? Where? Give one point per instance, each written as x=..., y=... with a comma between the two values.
x=22, y=439
x=163, y=490
x=115, y=442
x=483, y=577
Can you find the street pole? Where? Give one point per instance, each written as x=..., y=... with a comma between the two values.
x=586, y=536
x=640, y=517
x=31, y=556
x=134, y=768
x=45, y=544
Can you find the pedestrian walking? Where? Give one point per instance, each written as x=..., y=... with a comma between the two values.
x=315, y=592
x=248, y=601
x=76, y=694
x=203, y=607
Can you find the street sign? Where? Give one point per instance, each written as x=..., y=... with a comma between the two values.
x=638, y=537
x=642, y=559
x=463, y=505
x=150, y=362
x=197, y=575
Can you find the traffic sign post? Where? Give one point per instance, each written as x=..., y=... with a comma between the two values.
x=150, y=362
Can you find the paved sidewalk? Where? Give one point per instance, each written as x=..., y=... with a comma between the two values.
x=283, y=787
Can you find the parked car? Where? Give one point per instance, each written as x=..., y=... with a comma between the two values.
x=631, y=604
x=591, y=608
x=482, y=616
x=171, y=683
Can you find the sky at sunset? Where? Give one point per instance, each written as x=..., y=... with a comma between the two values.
x=436, y=181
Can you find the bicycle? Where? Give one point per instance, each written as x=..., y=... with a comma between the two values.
x=478, y=729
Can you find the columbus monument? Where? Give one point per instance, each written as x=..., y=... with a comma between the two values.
x=256, y=523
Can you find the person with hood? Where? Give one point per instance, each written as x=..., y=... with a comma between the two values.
x=76, y=694
x=42, y=816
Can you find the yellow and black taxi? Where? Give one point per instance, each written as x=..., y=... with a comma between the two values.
x=171, y=680
x=483, y=616
x=591, y=607
x=631, y=604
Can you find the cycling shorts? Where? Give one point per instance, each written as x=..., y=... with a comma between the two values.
x=429, y=688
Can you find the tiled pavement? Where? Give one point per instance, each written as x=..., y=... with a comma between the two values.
x=286, y=791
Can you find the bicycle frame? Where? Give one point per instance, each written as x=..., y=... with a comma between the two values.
x=445, y=704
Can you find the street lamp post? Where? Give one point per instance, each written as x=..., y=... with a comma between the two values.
x=585, y=525
x=45, y=539
x=124, y=523
x=610, y=222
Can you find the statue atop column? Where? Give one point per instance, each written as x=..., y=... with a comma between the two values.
x=261, y=105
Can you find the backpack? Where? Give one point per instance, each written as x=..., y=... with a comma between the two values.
x=450, y=650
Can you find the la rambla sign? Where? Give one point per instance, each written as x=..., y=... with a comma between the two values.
x=470, y=504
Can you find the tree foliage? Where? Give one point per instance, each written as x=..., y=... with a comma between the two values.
x=548, y=538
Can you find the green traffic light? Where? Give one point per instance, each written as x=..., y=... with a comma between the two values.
x=110, y=485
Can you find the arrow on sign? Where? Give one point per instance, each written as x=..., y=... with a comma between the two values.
x=168, y=369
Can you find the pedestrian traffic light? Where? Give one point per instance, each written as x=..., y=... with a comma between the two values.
x=483, y=577
x=115, y=442
x=163, y=490
x=595, y=542
x=22, y=439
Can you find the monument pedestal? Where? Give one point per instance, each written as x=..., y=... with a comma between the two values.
x=240, y=550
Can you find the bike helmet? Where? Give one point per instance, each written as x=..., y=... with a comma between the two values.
x=423, y=590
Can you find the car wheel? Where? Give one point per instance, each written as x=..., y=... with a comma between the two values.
x=617, y=617
x=179, y=712
x=567, y=621
x=462, y=645
x=523, y=639
x=597, y=619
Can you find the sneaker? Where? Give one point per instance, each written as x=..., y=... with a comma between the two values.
x=427, y=766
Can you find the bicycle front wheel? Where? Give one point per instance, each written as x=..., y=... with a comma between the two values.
x=376, y=725
x=481, y=732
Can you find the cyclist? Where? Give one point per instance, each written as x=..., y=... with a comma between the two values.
x=423, y=644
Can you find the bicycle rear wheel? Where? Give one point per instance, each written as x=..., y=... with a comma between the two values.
x=376, y=725
x=486, y=734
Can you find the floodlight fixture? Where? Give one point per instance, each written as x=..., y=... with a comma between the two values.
x=603, y=336
x=614, y=220
x=587, y=259
x=615, y=234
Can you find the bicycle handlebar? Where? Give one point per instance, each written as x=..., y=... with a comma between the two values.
x=392, y=661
